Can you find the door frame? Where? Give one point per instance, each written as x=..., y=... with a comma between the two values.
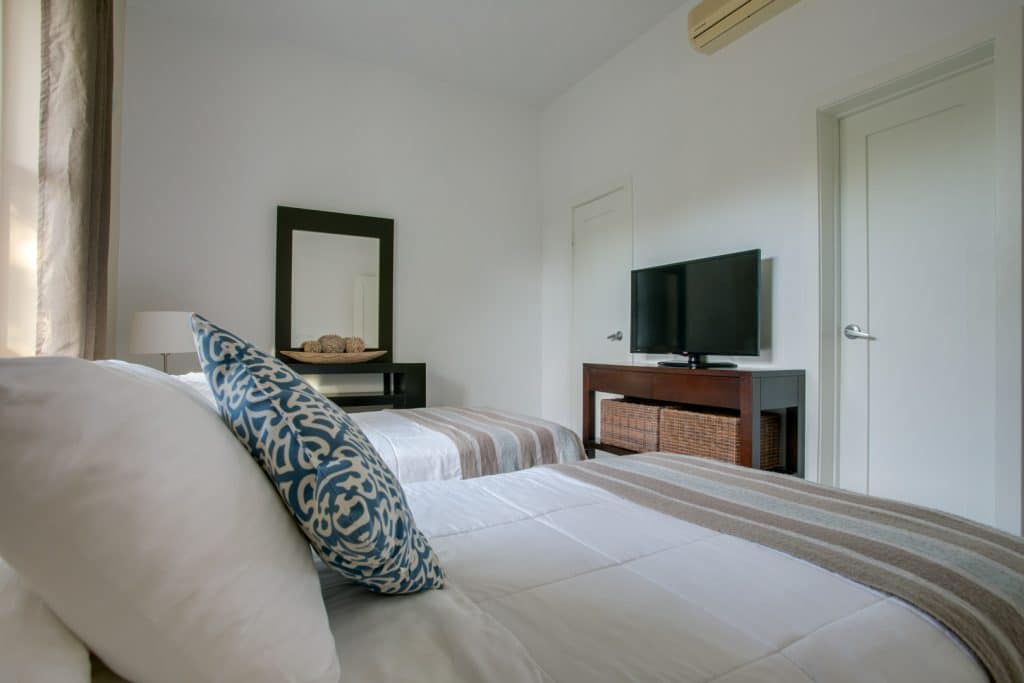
x=598, y=192
x=1001, y=42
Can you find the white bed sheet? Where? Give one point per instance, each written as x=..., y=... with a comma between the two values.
x=551, y=579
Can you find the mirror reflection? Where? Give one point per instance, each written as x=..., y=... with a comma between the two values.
x=335, y=287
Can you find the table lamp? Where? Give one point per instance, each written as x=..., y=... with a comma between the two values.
x=163, y=332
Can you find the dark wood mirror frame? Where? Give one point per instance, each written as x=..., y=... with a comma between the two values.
x=290, y=220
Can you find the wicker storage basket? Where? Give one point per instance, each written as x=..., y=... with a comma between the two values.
x=629, y=424
x=715, y=435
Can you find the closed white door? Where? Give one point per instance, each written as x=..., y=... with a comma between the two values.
x=918, y=301
x=602, y=261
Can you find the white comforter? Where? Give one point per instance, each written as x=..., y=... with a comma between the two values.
x=554, y=580
x=550, y=579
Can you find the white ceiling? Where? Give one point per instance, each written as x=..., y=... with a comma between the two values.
x=525, y=49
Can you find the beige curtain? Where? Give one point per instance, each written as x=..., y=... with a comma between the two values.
x=74, y=177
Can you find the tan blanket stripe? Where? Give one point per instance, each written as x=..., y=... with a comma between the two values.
x=933, y=516
x=490, y=441
x=466, y=446
x=490, y=461
x=853, y=568
x=906, y=510
x=527, y=451
x=545, y=438
x=991, y=625
x=537, y=435
x=940, y=575
x=996, y=553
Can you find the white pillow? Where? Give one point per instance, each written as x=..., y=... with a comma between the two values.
x=35, y=647
x=132, y=510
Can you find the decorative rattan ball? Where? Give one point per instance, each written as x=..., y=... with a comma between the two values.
x=354, y=345
x=332, y=343
x=312, y=346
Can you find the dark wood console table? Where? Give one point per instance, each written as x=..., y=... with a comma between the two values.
x=750, y=392
x=404, y=385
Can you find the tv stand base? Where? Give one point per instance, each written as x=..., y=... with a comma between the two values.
x=694, y=366
x=697, y=361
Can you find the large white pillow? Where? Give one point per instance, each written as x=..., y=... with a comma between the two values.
x=35, y=647
x=148, y=529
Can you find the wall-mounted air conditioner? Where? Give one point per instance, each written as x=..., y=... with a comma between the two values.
x=716, y=23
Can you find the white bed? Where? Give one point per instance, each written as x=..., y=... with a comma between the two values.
x=551, y=579
x=453, y=443
x=628, y=569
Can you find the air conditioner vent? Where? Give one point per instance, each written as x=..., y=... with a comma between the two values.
x=714, y=24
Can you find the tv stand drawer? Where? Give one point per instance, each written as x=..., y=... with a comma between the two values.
x=719, y=392
x=637, y=385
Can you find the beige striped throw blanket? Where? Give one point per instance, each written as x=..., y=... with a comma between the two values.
x=492, y=441
x=967, y=576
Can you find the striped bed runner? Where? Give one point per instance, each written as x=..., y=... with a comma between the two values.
x=968, y=576
x=492, y=442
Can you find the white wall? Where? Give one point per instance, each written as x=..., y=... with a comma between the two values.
x=722, y=154
x=219, y=130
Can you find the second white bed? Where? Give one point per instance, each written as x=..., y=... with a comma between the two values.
x=430, y=444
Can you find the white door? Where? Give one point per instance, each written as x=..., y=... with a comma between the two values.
x=917, y=241
x=602, y=261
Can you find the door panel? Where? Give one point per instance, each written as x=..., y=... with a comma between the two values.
x=602, y=261
x=918, y=260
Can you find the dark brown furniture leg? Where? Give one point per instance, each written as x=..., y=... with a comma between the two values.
x=589, y=428
x=750, y=422
x=801, y=411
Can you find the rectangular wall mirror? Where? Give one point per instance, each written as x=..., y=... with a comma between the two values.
x=334, y=276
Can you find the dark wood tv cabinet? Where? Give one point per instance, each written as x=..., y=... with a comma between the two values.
x=750, y=392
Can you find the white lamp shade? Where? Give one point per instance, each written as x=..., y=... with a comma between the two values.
x=161, y=332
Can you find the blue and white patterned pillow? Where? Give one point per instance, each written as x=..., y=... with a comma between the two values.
x=347, y=501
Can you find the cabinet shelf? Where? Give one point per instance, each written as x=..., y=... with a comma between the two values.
x=405, y=384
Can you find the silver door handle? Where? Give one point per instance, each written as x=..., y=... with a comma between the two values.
x=617, y=336
x=854, y=332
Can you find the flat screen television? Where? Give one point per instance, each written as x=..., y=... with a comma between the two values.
x=698, y=308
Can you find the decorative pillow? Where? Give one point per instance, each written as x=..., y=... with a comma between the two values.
x=349, y=504
x=35, y=647
x=142, y=523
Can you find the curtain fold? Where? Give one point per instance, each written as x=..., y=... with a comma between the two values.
x=76, y=98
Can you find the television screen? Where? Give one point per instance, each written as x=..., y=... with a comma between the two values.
x=708, y=306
